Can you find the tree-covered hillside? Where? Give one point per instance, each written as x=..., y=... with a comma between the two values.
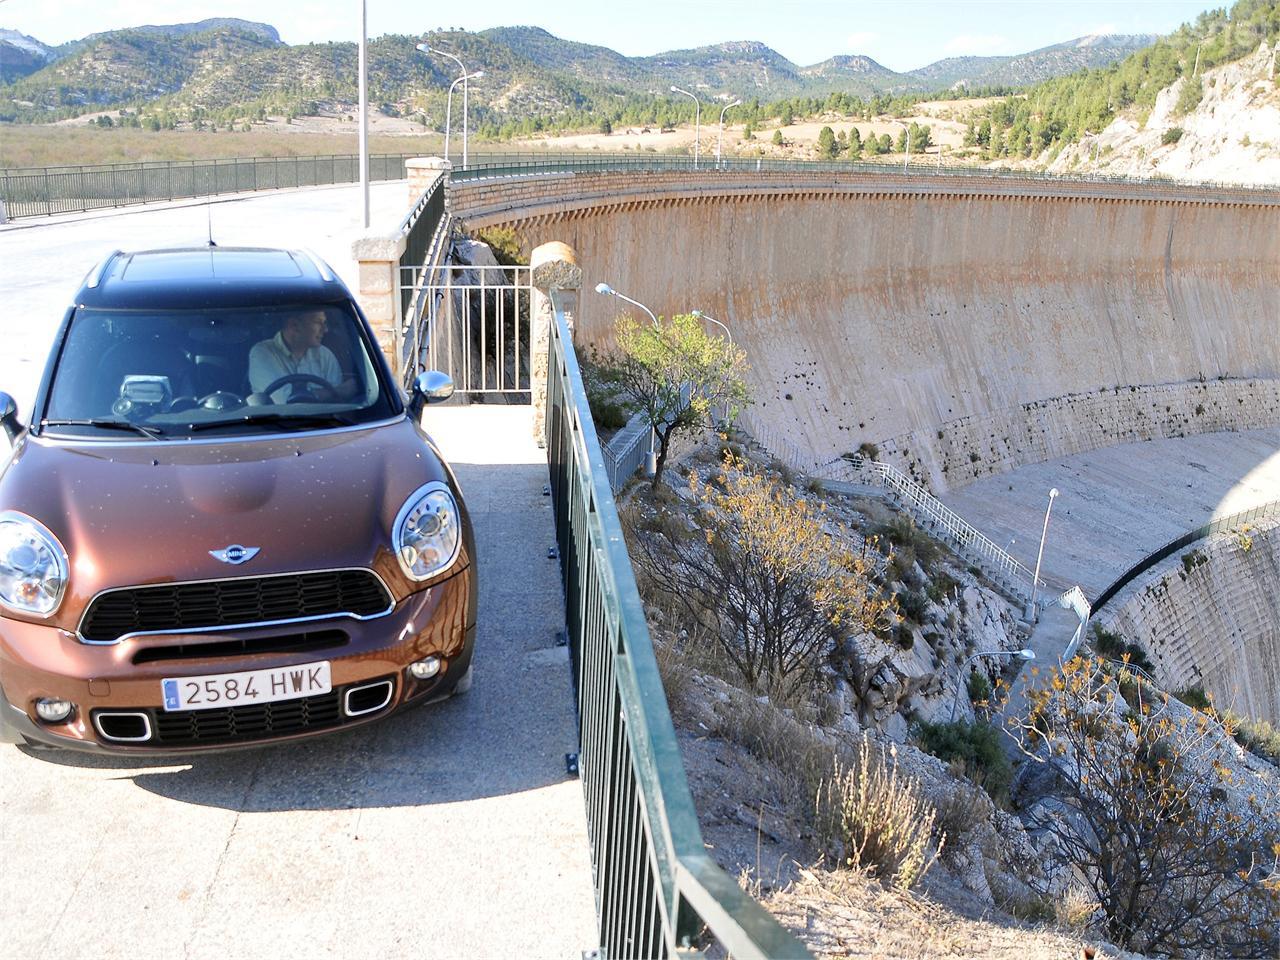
x=1065, y=109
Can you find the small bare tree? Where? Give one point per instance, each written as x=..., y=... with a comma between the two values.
x=677, y=374
x=762, y=570
x=1175, y=863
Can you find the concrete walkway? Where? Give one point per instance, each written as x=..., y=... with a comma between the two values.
x=448, y=831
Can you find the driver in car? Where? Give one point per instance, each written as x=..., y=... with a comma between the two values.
x=298, y=351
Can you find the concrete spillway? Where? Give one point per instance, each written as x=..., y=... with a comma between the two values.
x=968, y=327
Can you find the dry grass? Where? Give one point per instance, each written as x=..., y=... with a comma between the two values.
x=879, y=818
x=847, y=914
x=41, y=146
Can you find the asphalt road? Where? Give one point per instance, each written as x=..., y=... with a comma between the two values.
x=448, y=831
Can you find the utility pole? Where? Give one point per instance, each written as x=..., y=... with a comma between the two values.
x=364, y=110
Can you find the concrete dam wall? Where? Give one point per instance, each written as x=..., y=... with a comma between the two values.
x=1213, y=619
x=963, y=325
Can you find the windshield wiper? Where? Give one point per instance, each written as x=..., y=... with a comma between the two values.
x=297, y=420
x=151, y=433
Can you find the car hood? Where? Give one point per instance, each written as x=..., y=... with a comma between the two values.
x=138, y=513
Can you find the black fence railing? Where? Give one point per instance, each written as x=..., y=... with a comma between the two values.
x=1233, y=522
x=42, y=191
x=657, y=890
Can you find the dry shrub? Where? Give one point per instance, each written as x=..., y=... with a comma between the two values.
x=801, y=759
x=961, y=809
x=1075, y=908
x=879, y=817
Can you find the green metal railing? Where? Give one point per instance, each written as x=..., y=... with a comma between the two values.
x=42, y=191
x=657, y=890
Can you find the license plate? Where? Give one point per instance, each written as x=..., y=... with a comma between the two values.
x=252, y=686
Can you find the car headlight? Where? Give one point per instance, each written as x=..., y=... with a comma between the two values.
x=428, y=531
x=33, y=566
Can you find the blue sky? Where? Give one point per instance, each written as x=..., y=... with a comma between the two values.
x=902, y=34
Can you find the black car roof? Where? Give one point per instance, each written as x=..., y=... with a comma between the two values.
x=201, y=277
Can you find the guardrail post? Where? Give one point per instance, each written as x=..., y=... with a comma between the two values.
x=379, y=290
x=554, y=266
x=423, y=172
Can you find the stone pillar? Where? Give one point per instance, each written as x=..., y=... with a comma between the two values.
x=554, y=267
x=423, y=172
x=379, y=290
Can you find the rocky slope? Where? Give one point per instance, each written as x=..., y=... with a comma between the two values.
x=1232, y=134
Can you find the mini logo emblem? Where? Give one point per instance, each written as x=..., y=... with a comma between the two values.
x=234, y=554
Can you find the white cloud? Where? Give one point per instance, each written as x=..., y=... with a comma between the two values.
x=976, y=44
x=859, y=41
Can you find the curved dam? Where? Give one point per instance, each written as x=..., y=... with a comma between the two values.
x=963, y=325
x=992, y=337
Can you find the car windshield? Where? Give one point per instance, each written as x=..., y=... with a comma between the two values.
x=134, y=375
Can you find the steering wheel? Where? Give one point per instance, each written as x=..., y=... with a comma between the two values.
x=218, y=400
x=297, y=378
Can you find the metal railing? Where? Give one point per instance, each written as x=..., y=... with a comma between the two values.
x=488, y=166
x=1231, y=522
x=924, y=506
x=426, y=233
x=472, y=322
x=1075, y=601
x=43, y=191
x=656, y=887
x=626, y=451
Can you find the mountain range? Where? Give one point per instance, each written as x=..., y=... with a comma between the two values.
x=220, y=63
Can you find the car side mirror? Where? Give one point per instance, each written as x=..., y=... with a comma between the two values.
x=9, y=415
x=432, y=387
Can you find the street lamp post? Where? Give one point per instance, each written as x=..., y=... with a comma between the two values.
x=1035, y=580
x=697, y=122
x=364, y=110
x=427, y=48
x=702, y=316
x=720, y=136
x=651, y=458
x=907, y=136
x=448, y=110
x=963, y=676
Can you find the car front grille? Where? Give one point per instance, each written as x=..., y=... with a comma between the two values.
x=178, y=607
x=256, y=721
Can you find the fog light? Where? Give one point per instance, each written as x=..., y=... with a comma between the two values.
x=53, y=711
x=425, y=669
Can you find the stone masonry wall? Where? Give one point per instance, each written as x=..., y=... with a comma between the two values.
x=1212, y=620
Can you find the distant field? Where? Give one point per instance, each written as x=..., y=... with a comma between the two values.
x=43, y=146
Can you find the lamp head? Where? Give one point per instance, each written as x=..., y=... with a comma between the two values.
x=605, y=288
x=696, y=313
x=674, y=88
x=1025, y=654
x=1053, y=493
x=736, y=103
x=422, y=48
x=475, y=76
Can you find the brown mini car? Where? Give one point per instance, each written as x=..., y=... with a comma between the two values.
x=222, y=524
